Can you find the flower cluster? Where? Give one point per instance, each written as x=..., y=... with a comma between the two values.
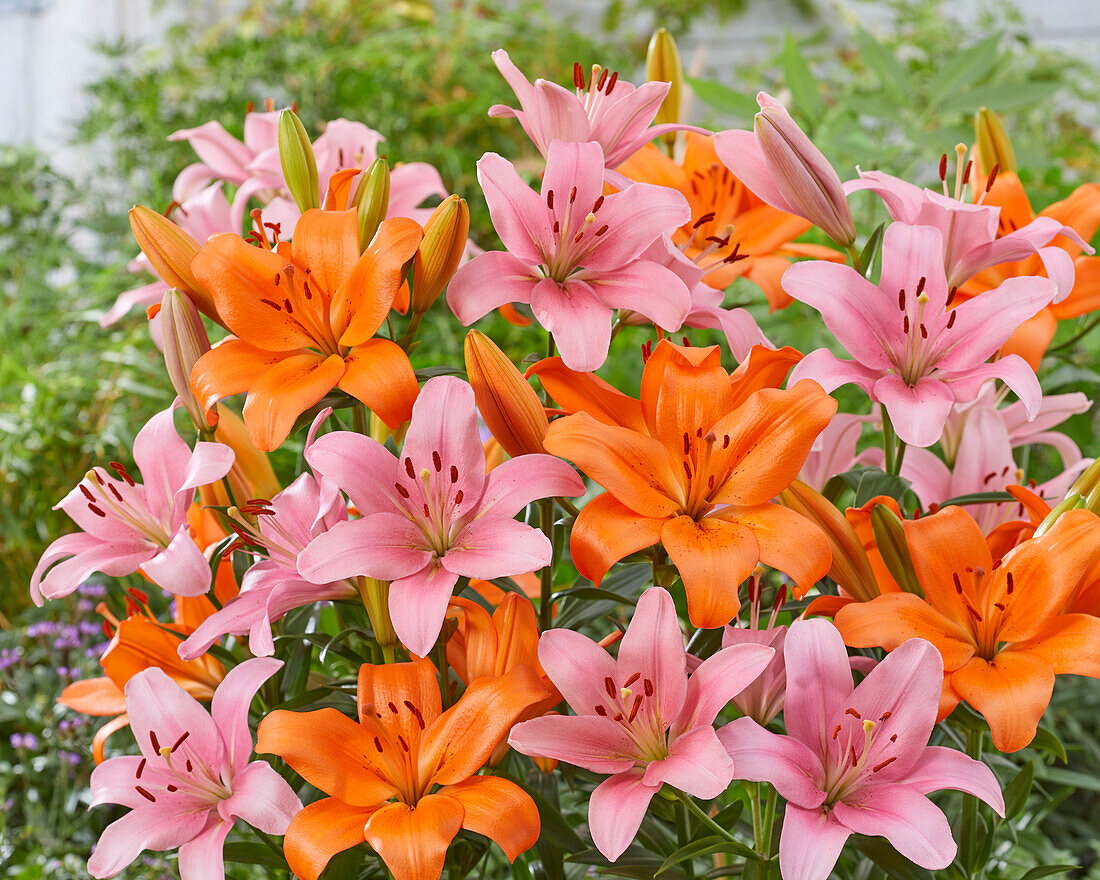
x=470, y=594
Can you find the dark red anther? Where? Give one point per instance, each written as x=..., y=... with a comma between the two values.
x=392, y=706
x=901, y=300
x=618, y=716
x=454, y=474
x=122, y=472
x=437, y=461
x=687, y=443
x=173, y=788
x=751, y=590
x=950, y=297
x=780, y=597
x=138, y=595
x=578, y=236
x=836, y=730
x=706, y=218
x=115, y=492
x=289, y=308
x=190, y=767
x=278, y=278
x=145, y=794
x=725, y=441
x=852, y=752
x=933, y=507
x=687, y=469
x=409, y=467
x=404, y=744
x=557, y=227
x=155, y=742
x=943, y=167
x=966, y=173
x=647, y=686
x=923, y=332
x=1009, y=585
x=550, y=199
x=884, y=716
x=905, y=325
x=573, y=195
x=416, y=713
x=87, y=492
x=634, y=709
x=603, y=79
x=992, y=178
x=894, y=738
x=920, y=285
x=601, y=711
x=140, y=769
x=179, y=742
x=611, y=82
x=96, y=510
x=951, y=319
x=459, y=496
x=853, y=713
x=609, y=686
x=578, y=75
x=633, y=678
x=974, y=612
x=601, y=230
x=958, y=583
x=998, y=606
x=427, y=510
x=882, y=764
x=597, y=204
x=271, y=303
x=401, y=490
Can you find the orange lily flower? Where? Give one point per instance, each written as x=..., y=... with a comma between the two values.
x=693, y=465
x=1081, y=212
x=140, y=642
x=380, y=773
x=999, y=625
x=762, y=241
x=304, y=316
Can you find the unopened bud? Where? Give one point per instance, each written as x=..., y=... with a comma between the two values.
x=993, y=146
x=508, y=404
x=1072, y=501
x=185, y=341
x=298, y=162
x=372, y=200
x=850, y=568
x=170, y=250
x=440, y=251
x=376, y=599
x=662, y=64
x=890, y=539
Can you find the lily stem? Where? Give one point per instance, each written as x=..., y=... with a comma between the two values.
x=361, y=419
x=757, y=829
x=853, y=255
x=969, y=825
x=546, y=605
x=683, y=833
x=699, y=814
x=889, y=443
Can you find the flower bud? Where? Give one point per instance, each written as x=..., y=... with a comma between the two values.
x=807, y=183
x=662, y=64
x=298, y=162
x=851, y=568
x=889, y=534
x=372, y=200
x=185, y=341
x=376, y=599
x=440, y=251
x=169, y=250
x=993, y=146
x=507, y=403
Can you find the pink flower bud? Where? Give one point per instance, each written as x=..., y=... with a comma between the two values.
x=185, y=341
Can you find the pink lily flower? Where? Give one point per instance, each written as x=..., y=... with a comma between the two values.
x=914, y=354
x=285, y=526
x=619, y=124
x=834, y=450
x=640, y=717
x=573, y=253
x=983, y=438
x=778, y=162
x=126, y=525
x=763, y=698
x=193, y=779
x=200, y=214
x=969, y=230
x=222, y=156
x=433, y=514
x=856, y=760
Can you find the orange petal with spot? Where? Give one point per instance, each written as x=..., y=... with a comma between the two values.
x=413, y=841
x=94, y=696
x=684, y=391
x=462, y=738
x=713, y=558
x=388, y=690
x=378, y=373
x=232, y=367
x=607, y=531
x=331, y=752
x=361, y=303
x=887, y=621
x=787, y=540
x=241, y=279
x=498, y=809
x=286, y=391
x=586, y=392
x=320, y=831
x=942, y=545
x=770, y=437
x=1012, y=692
x=327, y=243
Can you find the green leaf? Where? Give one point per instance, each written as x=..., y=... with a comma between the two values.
x=1017, y=791
x=702, y=847
x=889, y=859
x=555, y=829
x=892, y=75
x=867, y=482
x=1002, y=96
x=871, y=250
x=1046, y=741
x=979, y=498
x=724, y=99
x=805, y=94
x=591, y=594
x=1048, y=870
x=249, y=853
x=964, y=68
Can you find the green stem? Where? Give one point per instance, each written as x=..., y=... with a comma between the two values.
x=546, y=576
x=361, y=419
x=968, y=827
x=757, y=827
x=1077, y=337
x=853, y=255
x=683, y=834
x=699, y=814
x=410, y=332
x=569, y=507
x=270, y=843
x=889, y=442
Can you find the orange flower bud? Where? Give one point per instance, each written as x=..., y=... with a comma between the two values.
x=994, y=149
x=440, y=251
x=851, y=567
x=298, y=162
x=509, y=405
x=662, y=64
x=170, y=249
x=894, y=549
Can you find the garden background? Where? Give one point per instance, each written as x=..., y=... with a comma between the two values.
x=896, y=80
